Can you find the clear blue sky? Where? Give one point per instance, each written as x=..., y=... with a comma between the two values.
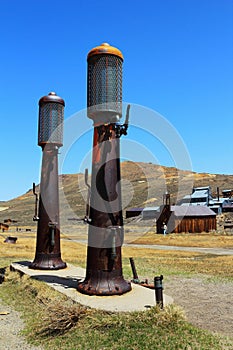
x=178, y=60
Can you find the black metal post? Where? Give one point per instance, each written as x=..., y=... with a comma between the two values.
x=159, y=290
x=133, y=267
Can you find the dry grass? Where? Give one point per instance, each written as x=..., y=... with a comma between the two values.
x=204, y=240
x=24, y=248
x=149, y=262
x=60, y=317
x=62, y=324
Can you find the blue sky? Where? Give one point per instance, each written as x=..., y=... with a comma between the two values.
x=178, y=61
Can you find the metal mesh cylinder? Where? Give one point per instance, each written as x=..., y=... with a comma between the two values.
x=104, y=92
x=51, y=117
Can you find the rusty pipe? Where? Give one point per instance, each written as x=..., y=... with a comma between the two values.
x=133, y=267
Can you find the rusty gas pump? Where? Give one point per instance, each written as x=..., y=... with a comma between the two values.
x=104, y=212
x=50, y=135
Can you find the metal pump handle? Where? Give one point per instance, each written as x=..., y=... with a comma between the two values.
x=35, y=217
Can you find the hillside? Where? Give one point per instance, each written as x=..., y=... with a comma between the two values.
x=143, y=184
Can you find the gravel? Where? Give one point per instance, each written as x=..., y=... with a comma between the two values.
x=207, y=305
x=10, y=326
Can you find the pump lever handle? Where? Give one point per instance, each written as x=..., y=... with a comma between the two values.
x=86, y=178
x=87, y=219
x=124, y=127
x=35, y=217
x=127, y=115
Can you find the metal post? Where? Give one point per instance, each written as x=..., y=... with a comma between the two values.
x=133, y=267
x=159, y=290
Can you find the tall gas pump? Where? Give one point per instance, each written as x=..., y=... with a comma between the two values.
x=104, y=211
x=50, y=138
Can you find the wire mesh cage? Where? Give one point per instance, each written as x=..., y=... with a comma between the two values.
x=104, y=91
x=51, y=117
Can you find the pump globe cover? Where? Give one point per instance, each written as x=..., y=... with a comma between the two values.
x=104, y=86
x=51, y=117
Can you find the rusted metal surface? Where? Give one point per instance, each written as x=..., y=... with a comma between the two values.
x=105, y=236
x=48, y=253
x=136, y=280
x=133, y=267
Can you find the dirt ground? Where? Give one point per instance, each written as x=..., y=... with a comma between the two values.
x=208, y=305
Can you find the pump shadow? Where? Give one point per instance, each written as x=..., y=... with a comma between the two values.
x=65, y=282
x=51, y=278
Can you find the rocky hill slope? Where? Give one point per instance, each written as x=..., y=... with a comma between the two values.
x=143, y=184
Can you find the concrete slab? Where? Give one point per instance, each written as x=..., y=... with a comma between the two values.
x=65, y=281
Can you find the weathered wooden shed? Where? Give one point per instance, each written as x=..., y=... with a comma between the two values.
x=227, y=205
x=150, y=213
x=132, y=212
x=192, y=219
x=4, y=227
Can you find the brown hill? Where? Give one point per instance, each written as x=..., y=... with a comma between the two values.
x=143, y=184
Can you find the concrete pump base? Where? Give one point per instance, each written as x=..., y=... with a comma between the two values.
x=66, y=280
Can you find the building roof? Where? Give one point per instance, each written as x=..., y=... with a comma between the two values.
x=195, y=204
x=228, y=203
x=201, y=188
x=151, y=209
x=217, y=201
x=199, y=210
x=135, y=209
x=200, y=194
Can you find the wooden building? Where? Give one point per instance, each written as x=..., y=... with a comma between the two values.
x=130, y=213
x=227, y=205
x=150, y=213
x=227, y=193
x=4, y=227
x=190, y=219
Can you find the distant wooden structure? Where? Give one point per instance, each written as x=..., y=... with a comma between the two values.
x=227, y=193
x=133, y=212
x=11, y=240
x=193, y=219
x=9, y=221
x=227, y=205
x=150, y=213
x=164, y=215
x=186, y=218
x=4, y=227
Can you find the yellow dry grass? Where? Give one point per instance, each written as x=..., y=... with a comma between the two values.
x=25, y=248
x=205, y=240
x=149, y=262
